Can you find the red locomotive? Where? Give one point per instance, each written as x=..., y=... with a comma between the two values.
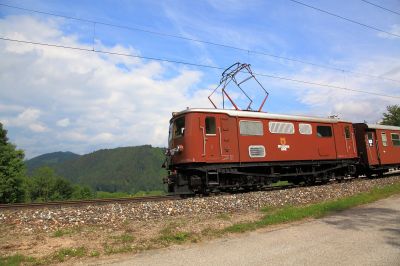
x=226, y=150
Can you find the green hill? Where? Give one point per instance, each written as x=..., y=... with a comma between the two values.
x=127, y=169
x=49, y=159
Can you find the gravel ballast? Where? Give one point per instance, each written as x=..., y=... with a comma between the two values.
x=115, y=214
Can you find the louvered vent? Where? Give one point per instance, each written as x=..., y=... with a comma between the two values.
x=281, y=128
x=256, y=151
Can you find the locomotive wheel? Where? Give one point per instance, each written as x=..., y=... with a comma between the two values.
x=309, y=180
x=296, y=181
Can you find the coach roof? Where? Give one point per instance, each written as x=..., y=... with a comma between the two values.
x=252, y=114
x=374, y=126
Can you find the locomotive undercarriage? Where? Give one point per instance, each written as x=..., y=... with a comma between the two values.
x=206, y=178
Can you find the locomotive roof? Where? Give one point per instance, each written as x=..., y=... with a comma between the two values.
x=374, y=126
x=252, y=114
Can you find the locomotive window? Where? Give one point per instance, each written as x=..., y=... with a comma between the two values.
x=305, y=129
x=324, y=131
x=179, y=128
x=370, y=139
x=281, y=128
x=251, y=128
x=171, y=127
x=210, y=125
x=384, y=139
x=347, y=132
x=395, y=139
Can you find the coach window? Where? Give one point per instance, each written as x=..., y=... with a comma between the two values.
x=347, y=132
x=179, y=127
x=384, y=139
x=251, y=128
x=395, y=139
x=305, y=129
x=324, y=131
x=210, y=125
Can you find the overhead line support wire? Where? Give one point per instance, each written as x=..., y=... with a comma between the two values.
x=205, y=42
x=193, y=64
x=344, y=18
x=381, y=7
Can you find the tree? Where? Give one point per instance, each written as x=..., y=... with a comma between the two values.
x=82, y=192
x=392, y=117
x=12, y=170
x=45, y=185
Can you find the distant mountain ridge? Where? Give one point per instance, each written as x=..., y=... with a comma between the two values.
x=126, y=169
x=49, y=159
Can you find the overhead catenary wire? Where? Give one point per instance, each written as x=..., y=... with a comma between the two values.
x=381, y=7
x=346, y=19
x=195, y=65
x=248, y=51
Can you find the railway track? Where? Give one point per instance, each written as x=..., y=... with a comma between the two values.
x=85, y=202
x=147, y=198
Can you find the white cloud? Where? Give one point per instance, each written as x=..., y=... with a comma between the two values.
x=110, y=105
x=27, y=119
x=63, y=122
x=352, y=105
x=394, y=29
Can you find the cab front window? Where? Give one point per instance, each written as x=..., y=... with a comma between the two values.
x=179, y=127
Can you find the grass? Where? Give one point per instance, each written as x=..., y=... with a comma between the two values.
x=223, y=216
x=280, y=183
x=123, y=239
x=120, y=244
x=178, y=237
x=18, y=259
x=170, y=235
x=65, y=253
x=292, y=213
x=94, y=253
x=63, y=232
x=111, y=249
x=109, y=195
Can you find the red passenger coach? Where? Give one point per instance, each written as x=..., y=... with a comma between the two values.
x=378, y=148
x=218, y=149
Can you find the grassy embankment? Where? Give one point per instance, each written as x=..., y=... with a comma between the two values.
x=168, y=236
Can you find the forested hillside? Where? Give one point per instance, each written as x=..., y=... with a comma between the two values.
x=49, y=159
x=127, y=169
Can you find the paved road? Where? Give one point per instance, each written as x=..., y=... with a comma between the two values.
x=368, y=235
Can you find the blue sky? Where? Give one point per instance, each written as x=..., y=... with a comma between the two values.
x=55, y=99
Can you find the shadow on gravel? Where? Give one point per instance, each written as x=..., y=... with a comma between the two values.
x=382, y=219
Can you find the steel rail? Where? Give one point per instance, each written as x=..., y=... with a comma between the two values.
x=86, y=202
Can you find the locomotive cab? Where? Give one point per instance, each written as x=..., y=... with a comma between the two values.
x=176, y=138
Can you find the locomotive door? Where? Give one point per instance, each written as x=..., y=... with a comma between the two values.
x=372, y=149
x=227, y=138
x=349, y=140
x=211, y=138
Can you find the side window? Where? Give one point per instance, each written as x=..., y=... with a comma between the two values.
x=170, y=135
x=210, y=125
x=370, y=137
x=305, y=129
x=251, y=128
x=384, y=139
x=395, y=139
x=281, y=127
x=179, y=128
x=347, y=132
x=324, y=131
